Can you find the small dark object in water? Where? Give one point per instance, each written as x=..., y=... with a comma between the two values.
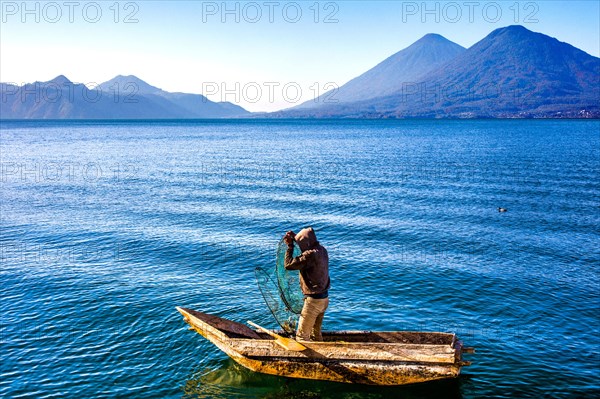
x=502, y=209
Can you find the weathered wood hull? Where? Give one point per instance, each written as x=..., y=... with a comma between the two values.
x=384, y=358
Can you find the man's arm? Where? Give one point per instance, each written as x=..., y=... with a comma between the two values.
x=296, y=263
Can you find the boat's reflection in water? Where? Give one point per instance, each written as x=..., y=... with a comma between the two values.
x=230, y=380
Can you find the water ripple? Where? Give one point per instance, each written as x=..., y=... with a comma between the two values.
x=106, y=227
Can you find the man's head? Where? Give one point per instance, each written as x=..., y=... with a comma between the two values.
x=306, y=239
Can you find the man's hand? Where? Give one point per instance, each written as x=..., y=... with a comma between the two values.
x=288, y=238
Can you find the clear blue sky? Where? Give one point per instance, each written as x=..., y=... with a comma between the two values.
x=265, y=55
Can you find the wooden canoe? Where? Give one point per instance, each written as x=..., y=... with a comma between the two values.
x=362, y=357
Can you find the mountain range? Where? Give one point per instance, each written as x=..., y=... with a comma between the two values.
x=123, y=97
x=511, y=73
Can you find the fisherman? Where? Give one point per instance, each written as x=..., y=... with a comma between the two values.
x=313, y=265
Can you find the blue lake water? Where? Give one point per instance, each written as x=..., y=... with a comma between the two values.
x=107, y=226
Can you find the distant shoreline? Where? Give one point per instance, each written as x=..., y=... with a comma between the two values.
x=290, y=119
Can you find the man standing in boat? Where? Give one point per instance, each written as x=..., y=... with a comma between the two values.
x=313, y=265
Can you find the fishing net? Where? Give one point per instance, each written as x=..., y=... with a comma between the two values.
x=289, y=280
x=280, y=289
x=270, y=292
